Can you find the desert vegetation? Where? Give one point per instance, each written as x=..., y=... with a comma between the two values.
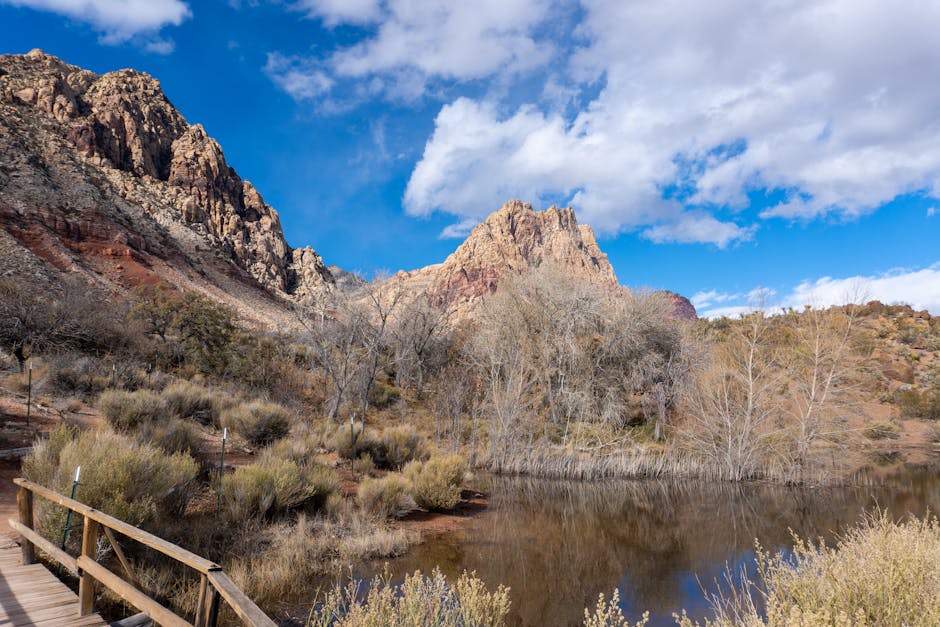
x=379, y=402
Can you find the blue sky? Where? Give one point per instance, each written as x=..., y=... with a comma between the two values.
x=714, y=147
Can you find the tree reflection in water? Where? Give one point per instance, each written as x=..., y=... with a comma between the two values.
x=558, y=544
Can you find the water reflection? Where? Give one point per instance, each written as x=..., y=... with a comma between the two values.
x=558, y=544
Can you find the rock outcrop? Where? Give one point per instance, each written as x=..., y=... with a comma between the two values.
x=96, y=167
x=513, y=239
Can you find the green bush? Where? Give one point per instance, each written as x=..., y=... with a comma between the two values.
x=259, y=422
x=435, y=483
x=126, y=411
x=172, y=436
x=192, y=402
x=384, y=497
x=131, y=481
x=273, y=485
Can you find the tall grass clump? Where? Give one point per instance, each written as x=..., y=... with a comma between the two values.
x=385, y=497
x=274, y=485
x=126, y=411
x=259, y=422
x=132, y=481
x=879, y=573
x=193, y=402
x=419, y=600
x=435, y=484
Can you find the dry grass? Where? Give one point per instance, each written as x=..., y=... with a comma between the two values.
x=882, y=430
x=279, y=562
x=880, y=573
x=419, y=600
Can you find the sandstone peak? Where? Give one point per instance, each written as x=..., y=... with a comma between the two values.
x=515, y=238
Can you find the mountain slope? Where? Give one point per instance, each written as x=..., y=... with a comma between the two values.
x=101, y=175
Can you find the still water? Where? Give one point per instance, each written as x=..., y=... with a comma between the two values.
x=558, y=544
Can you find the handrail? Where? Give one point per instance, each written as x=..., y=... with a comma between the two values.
x=214, y=584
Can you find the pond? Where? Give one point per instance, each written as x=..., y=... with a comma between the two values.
x=558, y=544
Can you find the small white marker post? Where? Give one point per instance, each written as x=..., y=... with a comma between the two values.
x=68, y=517
x=218, y=511
x=29, y=390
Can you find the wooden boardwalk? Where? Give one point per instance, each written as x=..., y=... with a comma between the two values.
x=31, y=595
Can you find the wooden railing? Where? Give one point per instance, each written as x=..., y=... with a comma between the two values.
x=214, y=584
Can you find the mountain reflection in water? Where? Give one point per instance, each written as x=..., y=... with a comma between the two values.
x=558, y=544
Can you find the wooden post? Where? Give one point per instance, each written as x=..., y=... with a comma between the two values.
x=213, y=612
x=202, y=609
x=86, y=584
x=24, y=502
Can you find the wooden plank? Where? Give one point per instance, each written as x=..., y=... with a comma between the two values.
x=125, y=564
x=159, y=544
x=24, y=503
x=47, y=547
x=244, y=607
x=129, y=593
x=86, y=583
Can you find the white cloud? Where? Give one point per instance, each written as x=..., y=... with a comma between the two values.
x=300, y=77
x=931, y=212
x=829, y=102
x=118, y=20
x=918, y=288
x=414, y=42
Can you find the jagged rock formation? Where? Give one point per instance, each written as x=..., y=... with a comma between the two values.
x=102, y=175
x=510, y=241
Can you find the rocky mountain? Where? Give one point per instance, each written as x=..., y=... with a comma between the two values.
x=102, y=175
x=510, y=241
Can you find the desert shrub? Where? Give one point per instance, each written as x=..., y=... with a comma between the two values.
x=192, y=402
x=126, y=411
x=73, y=374
x=350, y=440
x=259, y=422
x=365, y=465
x=435, y=483
x=384, y=497
x=131, y=481
x=881, y=430
x=419, y=600
x=914, y=403
x=172, y=436
x=608, y=614
x=400, y=445
x=273, y=485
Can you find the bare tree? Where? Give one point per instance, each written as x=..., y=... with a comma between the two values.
x=421, y=334
x=336, y=328
x=734, y=401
